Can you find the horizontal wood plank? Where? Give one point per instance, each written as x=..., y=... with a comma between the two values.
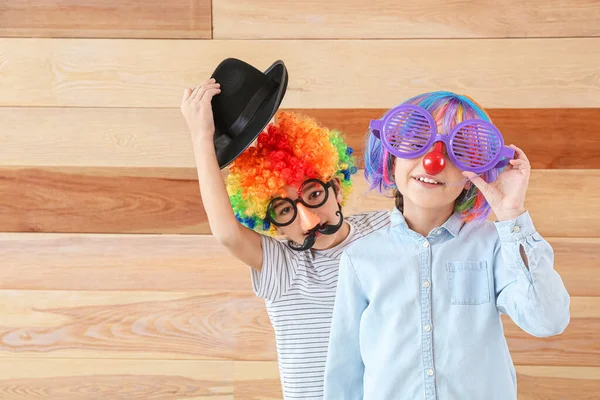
x=90, y=379
x=576, y=346
x=256, y=380
x=343, y=19
x=106, y=19
x=159, y=137
x=498, y=73
x=563, y=203
x=557, y=383
x=213, y=326
x=140, y=325
x=101, y=202
x=38, y=261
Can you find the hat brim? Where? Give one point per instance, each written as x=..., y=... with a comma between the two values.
x=278, y=72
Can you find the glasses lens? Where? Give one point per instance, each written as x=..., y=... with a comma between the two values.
x=282, y=211
x=475, y=145
x=314, y=194
x=408, y=131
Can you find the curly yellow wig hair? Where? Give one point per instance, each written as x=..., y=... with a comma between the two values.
x=293, y=148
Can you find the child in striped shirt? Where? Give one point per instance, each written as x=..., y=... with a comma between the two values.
x=280, y=212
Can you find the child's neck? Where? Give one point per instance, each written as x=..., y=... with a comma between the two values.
x=342, y=234
x=424, y=220
x=339, y=236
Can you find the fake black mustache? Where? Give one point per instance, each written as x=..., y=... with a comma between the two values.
x=324, y=229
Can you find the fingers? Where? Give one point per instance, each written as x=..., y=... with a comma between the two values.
x=519, y=154
x=209, y=84
x=209, y=94
x=198, y=92
x=187, y=92
x=520, y=165
x=482, y=185
x=195, y=92
x=520, y=162
x=201, y=93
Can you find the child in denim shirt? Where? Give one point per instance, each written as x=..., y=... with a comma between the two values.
x=418, y=305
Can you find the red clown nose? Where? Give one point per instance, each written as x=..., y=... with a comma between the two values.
x=434, y=162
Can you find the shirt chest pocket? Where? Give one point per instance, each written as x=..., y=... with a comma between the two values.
x=468, y=282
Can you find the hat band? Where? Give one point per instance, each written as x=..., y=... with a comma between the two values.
x=248, y=112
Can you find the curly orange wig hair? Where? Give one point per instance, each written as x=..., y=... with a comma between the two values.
x=293, y=148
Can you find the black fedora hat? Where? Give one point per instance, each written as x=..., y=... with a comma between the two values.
x=248, y=100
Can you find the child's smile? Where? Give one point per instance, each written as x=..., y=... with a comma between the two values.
x=428, y=181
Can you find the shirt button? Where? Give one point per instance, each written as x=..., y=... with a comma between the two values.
x=438, y=232
x=430, y=372
x=426, y=284
x=427, y=328
x=517, y=229
x=426, y=244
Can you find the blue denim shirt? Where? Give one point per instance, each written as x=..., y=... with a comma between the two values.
x=419, y=317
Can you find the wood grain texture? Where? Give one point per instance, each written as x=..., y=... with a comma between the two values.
x=563, y=203
x=140, y=325
x=129, y=137
x=337, y=19
x=558, y=383
x=51, y=201
x=106, y=19
x=577, y=346
x=99, y=137
x=184, y=263
x=92, y=379
x=256, y=380
x=498, y=73
x=213, y=326
x=89, y=379
x=38, y=261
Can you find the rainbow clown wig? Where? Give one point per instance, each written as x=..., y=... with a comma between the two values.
x=291, y=149
x=448, y=109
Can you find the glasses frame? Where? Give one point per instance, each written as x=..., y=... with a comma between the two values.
x=326, y=186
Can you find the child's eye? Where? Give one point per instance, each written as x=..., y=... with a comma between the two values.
x=315, y=194
x=284, y=211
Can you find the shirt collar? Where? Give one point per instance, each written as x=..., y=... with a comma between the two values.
x=453, y=225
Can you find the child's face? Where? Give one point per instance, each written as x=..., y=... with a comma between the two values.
x=440, y=195
x=325, y=214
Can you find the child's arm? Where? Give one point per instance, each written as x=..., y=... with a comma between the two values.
x=528, y=288
x=344, y=368
x=242, y=242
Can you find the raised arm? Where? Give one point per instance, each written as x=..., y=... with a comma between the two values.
x=242, y=242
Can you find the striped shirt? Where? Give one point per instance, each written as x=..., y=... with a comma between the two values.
x=299, y=289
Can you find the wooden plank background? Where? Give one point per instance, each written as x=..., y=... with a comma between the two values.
x=499, y=73
x=111, y=286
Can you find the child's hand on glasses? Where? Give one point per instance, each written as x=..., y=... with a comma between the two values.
x=506, y=195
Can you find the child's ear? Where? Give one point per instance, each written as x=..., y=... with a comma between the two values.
x=337, y=187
